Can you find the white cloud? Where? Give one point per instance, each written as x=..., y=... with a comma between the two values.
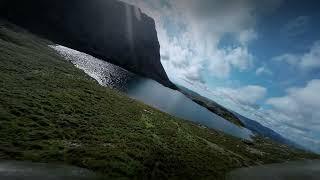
x=239, y=57
x=220, y=68
x=247, y=36
x=302, y=103
x=263, y=70
x=298, y=112
x=248, y=95
x=290, y=59
x=224, y=60
x=308, y=61
x=190, y=30
x=311, y=59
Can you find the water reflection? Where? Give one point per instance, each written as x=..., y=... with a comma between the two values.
x=105, y=73
x=150, y=92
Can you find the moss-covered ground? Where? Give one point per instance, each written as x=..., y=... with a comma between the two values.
x=52, y=112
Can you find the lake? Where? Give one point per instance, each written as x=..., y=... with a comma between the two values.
x=150, y=92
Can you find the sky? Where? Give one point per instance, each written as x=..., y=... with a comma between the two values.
x=258, y=58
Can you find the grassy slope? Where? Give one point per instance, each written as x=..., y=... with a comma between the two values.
x=52, y=112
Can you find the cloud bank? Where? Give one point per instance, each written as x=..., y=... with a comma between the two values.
x=308, y=61
x=300, y=107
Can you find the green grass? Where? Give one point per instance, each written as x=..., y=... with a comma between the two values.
x=52, y=112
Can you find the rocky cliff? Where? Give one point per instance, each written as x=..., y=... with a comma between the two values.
x=107, y=29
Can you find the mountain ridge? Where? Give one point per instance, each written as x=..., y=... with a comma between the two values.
x=238, y=119
x=266, y=132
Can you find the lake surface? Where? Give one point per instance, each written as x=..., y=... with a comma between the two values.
x=150, y=92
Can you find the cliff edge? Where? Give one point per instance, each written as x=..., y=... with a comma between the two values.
x=108, y=29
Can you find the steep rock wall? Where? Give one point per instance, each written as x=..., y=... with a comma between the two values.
x=107, y=29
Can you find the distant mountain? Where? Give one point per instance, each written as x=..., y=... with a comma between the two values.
x=107, y=29
x=236, y=118
x=266, y=132
x=211, y=105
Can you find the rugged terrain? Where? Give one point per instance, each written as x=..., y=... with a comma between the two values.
x=51, y=111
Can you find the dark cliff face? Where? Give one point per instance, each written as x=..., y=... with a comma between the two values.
x=107, y=29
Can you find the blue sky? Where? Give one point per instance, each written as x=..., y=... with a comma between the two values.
x=259, y=58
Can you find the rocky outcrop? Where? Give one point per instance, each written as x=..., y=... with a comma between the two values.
x=107, y=29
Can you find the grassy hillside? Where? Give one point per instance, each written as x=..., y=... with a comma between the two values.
x=52, y=112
